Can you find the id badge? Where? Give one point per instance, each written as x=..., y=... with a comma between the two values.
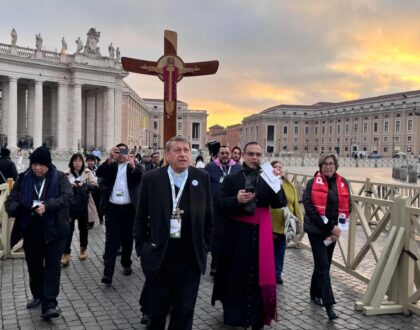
x=120, y=193
x=175, y=228
x=221, y=179
x=35, y=202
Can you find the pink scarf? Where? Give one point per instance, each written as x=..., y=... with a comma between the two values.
x=218, y=163
x=266, y=268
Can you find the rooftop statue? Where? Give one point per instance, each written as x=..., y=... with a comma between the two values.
x=39, y=41
x=79, y=44
x=91, y=47
x=14, y=36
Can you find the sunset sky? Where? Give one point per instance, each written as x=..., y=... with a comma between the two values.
x=270, y=51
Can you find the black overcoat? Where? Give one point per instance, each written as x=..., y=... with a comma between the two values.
x=154, y=209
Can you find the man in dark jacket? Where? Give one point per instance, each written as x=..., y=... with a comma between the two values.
x=218, y=169
x=172, y=232
x=40, y=203
x=122, y=175
x=7, y=166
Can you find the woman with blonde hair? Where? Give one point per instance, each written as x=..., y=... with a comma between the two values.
x=277, y=219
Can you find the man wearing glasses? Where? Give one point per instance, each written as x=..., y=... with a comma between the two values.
x=245, y=281
x=218, y=169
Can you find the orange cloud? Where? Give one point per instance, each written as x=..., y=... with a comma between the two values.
x=219, y=112
x=385, y=51
x=262, y=90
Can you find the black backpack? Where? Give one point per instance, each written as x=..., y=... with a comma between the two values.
x=80, y=199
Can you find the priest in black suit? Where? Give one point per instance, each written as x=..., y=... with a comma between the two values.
x=172, y=231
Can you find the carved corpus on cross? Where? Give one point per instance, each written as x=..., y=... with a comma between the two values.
x=170, y=68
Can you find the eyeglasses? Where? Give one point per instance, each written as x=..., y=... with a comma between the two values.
x=328, y=164
x=252, y=154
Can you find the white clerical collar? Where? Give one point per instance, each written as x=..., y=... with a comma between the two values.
x=175, y=174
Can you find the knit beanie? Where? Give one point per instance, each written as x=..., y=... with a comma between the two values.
x=4, y=152
x=41, y=155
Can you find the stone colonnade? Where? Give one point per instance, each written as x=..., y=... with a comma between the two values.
x=65, y=116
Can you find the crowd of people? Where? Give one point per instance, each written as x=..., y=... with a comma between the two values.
x=174, y=213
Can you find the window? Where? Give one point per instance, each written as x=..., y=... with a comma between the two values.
x=284, y=129
x=365, y=127
x=347, y=129
x=195, y=130
x=270, y=132
x=306, y=130
x=296, y=130
x=385, y=138
x=323, y=130
x=397, y=139
x=410, y=125
x=316, y=130
x=375, y=127
x=356, y=128
x=179, y=126
x=331, y=129
x=397, y=125
x=386, y=126
x=409, y=139
x=155, y=125
x=256, y=132
x=338, y=129
x=385, y=149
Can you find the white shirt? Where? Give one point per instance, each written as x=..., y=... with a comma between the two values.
x=120, y=194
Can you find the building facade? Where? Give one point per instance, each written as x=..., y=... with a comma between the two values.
x=233, y=135
x=79, y=101
x=385, y=125
x=66, y=101
x=191, y=124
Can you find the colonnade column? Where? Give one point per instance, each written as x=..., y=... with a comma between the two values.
x=62, y=127
x=90, y=119
x=4, y=106
x=12, y=114
x=31, y=109
x=77, y=118
x=37, y=123
x=110, y=124
x=118, y=118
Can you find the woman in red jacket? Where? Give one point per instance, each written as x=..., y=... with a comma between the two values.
x=327, y=210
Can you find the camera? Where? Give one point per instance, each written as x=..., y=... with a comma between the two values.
x=123, y=151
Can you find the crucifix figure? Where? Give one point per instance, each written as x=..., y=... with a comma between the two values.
x=170, y=69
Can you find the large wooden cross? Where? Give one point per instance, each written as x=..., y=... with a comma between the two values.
x=170, y=69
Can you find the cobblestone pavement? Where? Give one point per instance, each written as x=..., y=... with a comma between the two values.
x=87, y=304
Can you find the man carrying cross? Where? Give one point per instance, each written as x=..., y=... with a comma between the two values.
x=172, y=233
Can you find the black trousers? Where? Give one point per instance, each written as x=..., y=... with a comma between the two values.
x=82, y=220
x=119, y=231
x=144, y=304
x=321, y=282
x=176, y=285
x=44, y=267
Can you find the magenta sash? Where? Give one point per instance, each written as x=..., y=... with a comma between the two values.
x=266, y=267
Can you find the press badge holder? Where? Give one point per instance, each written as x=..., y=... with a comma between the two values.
x=35, y=202
x=175, y=228
x=120, y=193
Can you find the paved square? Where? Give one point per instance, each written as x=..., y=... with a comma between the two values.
x=87, y=304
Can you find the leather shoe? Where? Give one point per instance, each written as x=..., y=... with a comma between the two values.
x=34, y=302
x=317, y=301
x=330, y=312
x=51, y=313
x=127, y=271
x=145, y=319
x=107, y=280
